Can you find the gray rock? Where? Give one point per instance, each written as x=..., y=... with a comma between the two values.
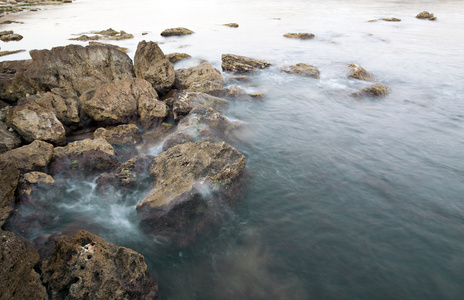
x=8, y=138
x=183, y=102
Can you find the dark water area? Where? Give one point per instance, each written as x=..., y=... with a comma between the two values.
x=349, y=198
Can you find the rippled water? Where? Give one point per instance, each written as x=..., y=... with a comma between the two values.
x=349, y=198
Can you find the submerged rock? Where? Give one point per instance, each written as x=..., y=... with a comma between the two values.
x=18, y=279
x=376, y=90
x=195, y=184
x=302, y=70
x=176, y=56
x=9, y=178
x=127, y=134
x=302, y=36
x=426, y=15
x=241, y=64
x=178, y=31
x=84, y=266
x=358, y=72
x=151, y=64
x=184, y=101
x=233, y=25
x=391, y=19
x=33, y=157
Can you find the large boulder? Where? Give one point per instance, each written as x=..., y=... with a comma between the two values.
x=302, y=70
x=9, y=178
x=202, y=78
x=33, y=157
x=202, y=124
x=122, y=135
x=151, y=64
x=88, y=157
x=84, y=266
x=9, y=139
x=34, y=122
x=18, y=279
x=194, y=184
x=76, y=68
x=241, y=64
x=183, y=102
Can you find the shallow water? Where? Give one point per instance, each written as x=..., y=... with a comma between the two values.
x=349, y=198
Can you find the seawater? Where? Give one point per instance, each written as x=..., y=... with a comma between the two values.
x=349, y=198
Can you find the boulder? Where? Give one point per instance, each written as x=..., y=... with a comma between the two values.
x=65, y=108
x=376, y=90
x=302, y=36
x=78, y=69
x=183, y=102
x=34, y=122
x=152, y=112
x=13, y=84
x=84, y=266
x=151, y=64
x=178, y=31
x=426, y=15
x=202, y=124
x=8, y=138
x=302, y=70
x=202, y=78
x=122, y=135
x=241, y=64
x=176, y=56
x=194, y=184
x=18, y=278
x=9, y=178
x=33, y=157
x=88, y=157
x=358, y=72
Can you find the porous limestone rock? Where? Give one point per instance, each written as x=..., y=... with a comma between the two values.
x=241, y=64
x=33, y=157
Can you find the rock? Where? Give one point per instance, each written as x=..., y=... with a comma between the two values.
x=112, y=34
x=66, y=109
x=88, y=157
x=391, y=19
x=33, y=157
x=85, y=38
x=233, y=25
x=9, y=178
x=8, y=139
x=185, y=101
x=151, y=64
x=302, y=70
x=241, y=64
x=302, y=36
x=152, y=139
x=151, y=111
x=202, y=124
x=176, y=32
x=84, y=266
x=376, y=90
x=202, y=78
x=13, y=84
x=4, y=53
x=17, y=276
x=194, y=184
x=76, y=68
x=121, y=135
x=123, y=49
x=8, y=36
x=426, y=15
x=176, y=56
x=34, y=122
x=358, y=72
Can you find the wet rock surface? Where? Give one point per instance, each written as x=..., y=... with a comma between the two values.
x=183, y=102
x=302, y=69
x=358, y=72
x=84, y=266
x=376, y=90
x=241, y=64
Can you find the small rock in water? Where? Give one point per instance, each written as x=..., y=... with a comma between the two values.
x=176, y=31
x=391, y=19
x=241, y=64
x=426, y=15
x=233, y=25
x=358, y=72
x=176, y=56
x=3, y=53
x=8, y=36
x=303, y=36
x=302, y=69
x=376, y=90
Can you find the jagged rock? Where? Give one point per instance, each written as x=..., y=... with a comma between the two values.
x=76, y=68
x=233, y=25
x=151, y=111
x=66, y=109
x=302, y=36
x=9, y=178
x=202, y=124
x=241, y=64
x=13, y=84
x=202, y=78
x=121, y=135
x=34, y=122
x=358, y=72
x=302, y=70
x=17, y=276
x=151, y=64
x=183, y=102
x=426, y=15
x=8, y=139
x=194, y=184
x=376, y=90
x=84, y=266
x=87, y=157
x=33, y=157
x=176, y=56
x=178, y=31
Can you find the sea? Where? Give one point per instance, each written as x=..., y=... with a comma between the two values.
x=349, y=197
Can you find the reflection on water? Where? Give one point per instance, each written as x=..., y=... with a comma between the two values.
x=350, y=198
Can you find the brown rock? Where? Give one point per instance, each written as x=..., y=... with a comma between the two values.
x=195, y=182
x=391, y=19
x=17, y=276
x=33, y=157
x=34, y=122
x=302, y=70
x=120, y=135
x=233, y=25
x=8, y=36
x=13, y=85
x=302, y=36
x=176, y=56
x=185, y=101
x=8, y=139
x=426, y=15
x=9, y=178
x=66, y=109
x=176, y=32
x=84, y=266
x=376, y=90
x=202, y=78
x=241, y=64
x=358, y=72
x=151, y=64
x=153, y=138
x=152, y=112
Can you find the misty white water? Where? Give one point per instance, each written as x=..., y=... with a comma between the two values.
x=350, y=198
